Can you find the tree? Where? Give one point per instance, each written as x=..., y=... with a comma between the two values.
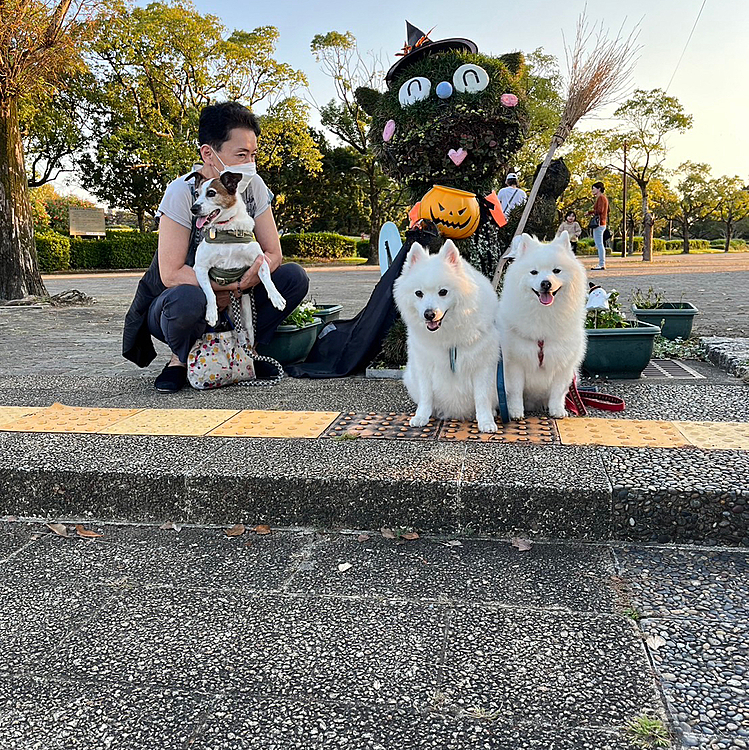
x=647, y=118
x=733, y=204
x=39, y=43
x=341, y=60
x=156, y=67
x=696, y=198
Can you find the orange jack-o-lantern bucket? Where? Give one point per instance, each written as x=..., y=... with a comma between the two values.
x=455, y=212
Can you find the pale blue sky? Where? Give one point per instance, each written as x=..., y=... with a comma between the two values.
x=711, y=81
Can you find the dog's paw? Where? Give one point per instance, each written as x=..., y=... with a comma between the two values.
x=278, y=301
x=487, y=425
x=418, y=420
x=517, y=416
x=558, y=413
x=211, y=316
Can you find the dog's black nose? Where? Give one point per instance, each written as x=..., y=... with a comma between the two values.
x=429, y=314
x=195, y=209
x=545, y=285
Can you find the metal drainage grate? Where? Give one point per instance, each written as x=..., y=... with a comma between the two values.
x=670, y=369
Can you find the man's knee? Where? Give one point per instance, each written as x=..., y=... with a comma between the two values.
x=291, y=280
x=184, y=305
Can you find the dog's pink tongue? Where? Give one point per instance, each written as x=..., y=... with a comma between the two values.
x=545, y=298
x=200, y=221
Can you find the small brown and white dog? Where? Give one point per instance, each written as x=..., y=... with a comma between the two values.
x=219, y=205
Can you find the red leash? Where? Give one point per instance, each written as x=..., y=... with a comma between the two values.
x=575, y=401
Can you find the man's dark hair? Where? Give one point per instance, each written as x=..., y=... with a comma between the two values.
x=218, y=120
x=511, y=181
x=600, y=186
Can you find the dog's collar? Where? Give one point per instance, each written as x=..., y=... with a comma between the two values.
x=227, y=236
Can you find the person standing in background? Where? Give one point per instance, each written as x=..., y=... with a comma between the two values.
x=573, y=229
x=511, y=195
x=600, y=215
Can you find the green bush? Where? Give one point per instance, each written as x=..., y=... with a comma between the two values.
x=318, y=245
x=362, y=248
x=116, y=250
x=52, y=251
x=586, y=246
x=659, y=245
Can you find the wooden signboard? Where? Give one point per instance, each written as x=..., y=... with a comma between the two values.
x=88, y=222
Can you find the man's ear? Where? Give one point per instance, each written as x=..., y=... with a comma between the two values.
x=230, y=180
x=368, y=99
x=198, y=177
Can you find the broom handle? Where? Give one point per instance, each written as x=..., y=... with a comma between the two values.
x=555, y=143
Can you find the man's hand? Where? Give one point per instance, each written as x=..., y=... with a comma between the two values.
x=251, y=277
x=223, y=299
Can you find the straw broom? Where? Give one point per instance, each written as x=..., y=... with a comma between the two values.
x=595, y=80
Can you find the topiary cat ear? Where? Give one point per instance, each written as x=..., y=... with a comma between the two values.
x=368, y=99
x=514, y=61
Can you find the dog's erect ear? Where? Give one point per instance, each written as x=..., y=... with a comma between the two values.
x=415, y=254
x=518, y=246
x=198, y=177
x=450, y=253
x=564, y=239
x=230, y=180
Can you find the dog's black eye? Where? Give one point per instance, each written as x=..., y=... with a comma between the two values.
x=442, y=292
x=210, y=193
x=419, y=294
x=534, y=272
x=557, y=270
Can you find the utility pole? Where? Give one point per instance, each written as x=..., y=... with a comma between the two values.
x=624, y=204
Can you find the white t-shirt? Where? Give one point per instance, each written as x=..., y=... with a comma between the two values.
x=178, y=198
x=510, y=197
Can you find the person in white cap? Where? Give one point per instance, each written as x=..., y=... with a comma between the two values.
x=511, y=195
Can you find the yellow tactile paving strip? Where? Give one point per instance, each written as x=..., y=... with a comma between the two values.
x=628, y=433
x=11, y=414
x=171, y=422
x=631, y=433
x=277, y=424
x=716, y=435
x=61, y=418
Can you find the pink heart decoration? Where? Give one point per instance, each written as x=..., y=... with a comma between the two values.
x=388, y=130
x=457, y=157
x=509, y=100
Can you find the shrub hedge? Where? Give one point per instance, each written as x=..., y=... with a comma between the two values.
x=52, y=251
x=659, y=245
x=362, y=248
x=318, y=245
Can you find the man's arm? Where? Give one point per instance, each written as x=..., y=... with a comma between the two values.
x=174, y=241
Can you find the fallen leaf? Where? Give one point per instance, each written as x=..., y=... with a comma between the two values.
x=363, y=538
x=169, y=526
x=343, y=567
x=34, y=537
x=655, y=642
x=387, y=533
x=236, y=530
x=59, y=528
x=86, y=533
x=410, y=535
x=262, y=529
x=523, y=545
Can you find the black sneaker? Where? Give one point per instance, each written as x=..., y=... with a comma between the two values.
x=171, y=380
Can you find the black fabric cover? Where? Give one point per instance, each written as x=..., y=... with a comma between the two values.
x=354, y=343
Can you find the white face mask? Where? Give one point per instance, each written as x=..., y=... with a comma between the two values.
x=248, y=171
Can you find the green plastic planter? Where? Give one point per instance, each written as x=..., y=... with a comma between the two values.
x=326, y=313
x=290, y=344
x=677, y=318
x=621, y=353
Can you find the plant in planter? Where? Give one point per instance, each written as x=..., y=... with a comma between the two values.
x=617, y=348
x=674, y=318
x=295, y=337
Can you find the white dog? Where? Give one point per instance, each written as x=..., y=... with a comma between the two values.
x=219, y=206
x=450, y=312
x=542, y=324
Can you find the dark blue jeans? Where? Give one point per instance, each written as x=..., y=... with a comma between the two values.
x=177, y=315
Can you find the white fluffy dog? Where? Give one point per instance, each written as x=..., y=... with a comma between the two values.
x=542, y=324
x=450, y=311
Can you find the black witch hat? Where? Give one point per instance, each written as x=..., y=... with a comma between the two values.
x=419, y=45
